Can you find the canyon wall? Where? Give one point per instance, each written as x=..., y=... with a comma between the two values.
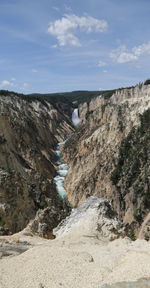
x=29, y=130
x=93, y=151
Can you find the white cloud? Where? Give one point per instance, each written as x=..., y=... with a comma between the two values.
x=142, y=49
x=123, y=55
x=101, y=64
x=54, y=46
x=34, y=71
x=126, y=57
x=13, y=79
x=105, y=71
x=64, y=29
x=6, y=83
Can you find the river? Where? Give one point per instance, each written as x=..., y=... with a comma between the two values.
x=63, y=167
x=61, y=172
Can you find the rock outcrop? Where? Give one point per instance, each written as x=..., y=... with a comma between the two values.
x=45, y=220
x=94, y=218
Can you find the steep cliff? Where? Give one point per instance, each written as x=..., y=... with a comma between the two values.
x=93, y=150
x=31, y=126
x=29, y=130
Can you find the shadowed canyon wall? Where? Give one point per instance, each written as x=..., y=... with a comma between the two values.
x=28, y=133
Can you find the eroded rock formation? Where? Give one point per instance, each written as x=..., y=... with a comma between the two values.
x=94, y=218
x=92, y=153
x=29, y=130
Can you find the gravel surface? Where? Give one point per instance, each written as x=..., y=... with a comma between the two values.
x=77, y=262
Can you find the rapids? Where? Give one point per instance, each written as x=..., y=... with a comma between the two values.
x=61, y=172
x=63, y=167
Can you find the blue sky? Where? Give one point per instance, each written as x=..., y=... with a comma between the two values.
x=54, y=45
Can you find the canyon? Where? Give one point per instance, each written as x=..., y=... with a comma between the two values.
x=73, y=205
x=92, y=153
x=30, y=130
x=28, y=133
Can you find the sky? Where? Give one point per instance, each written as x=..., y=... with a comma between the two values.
x=51, y=46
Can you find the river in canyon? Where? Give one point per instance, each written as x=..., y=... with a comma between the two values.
x=63, y=167
x=61, y=172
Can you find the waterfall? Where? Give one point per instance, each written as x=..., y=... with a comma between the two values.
x=75, y=117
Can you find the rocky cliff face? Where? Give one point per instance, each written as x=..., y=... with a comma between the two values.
x=28, y=133
x=92, y=152
x=29, y=130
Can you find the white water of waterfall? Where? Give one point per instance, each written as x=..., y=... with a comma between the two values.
x=61, y=172
x=75, y=117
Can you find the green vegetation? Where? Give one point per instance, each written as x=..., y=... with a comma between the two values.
x=9, y=93
x=132, y=169
x=43, y=204
x=132, y=235
x=124, y=153
x=137, y=215
x=73, y=99
x=121, y=126
x=133, y=152
x=2, y=222
x=146, y=237
x=107, y=94
x=87, y=114
x=147, y=82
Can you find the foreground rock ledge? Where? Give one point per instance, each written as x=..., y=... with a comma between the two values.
x=94, y=218
x=80, y=256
